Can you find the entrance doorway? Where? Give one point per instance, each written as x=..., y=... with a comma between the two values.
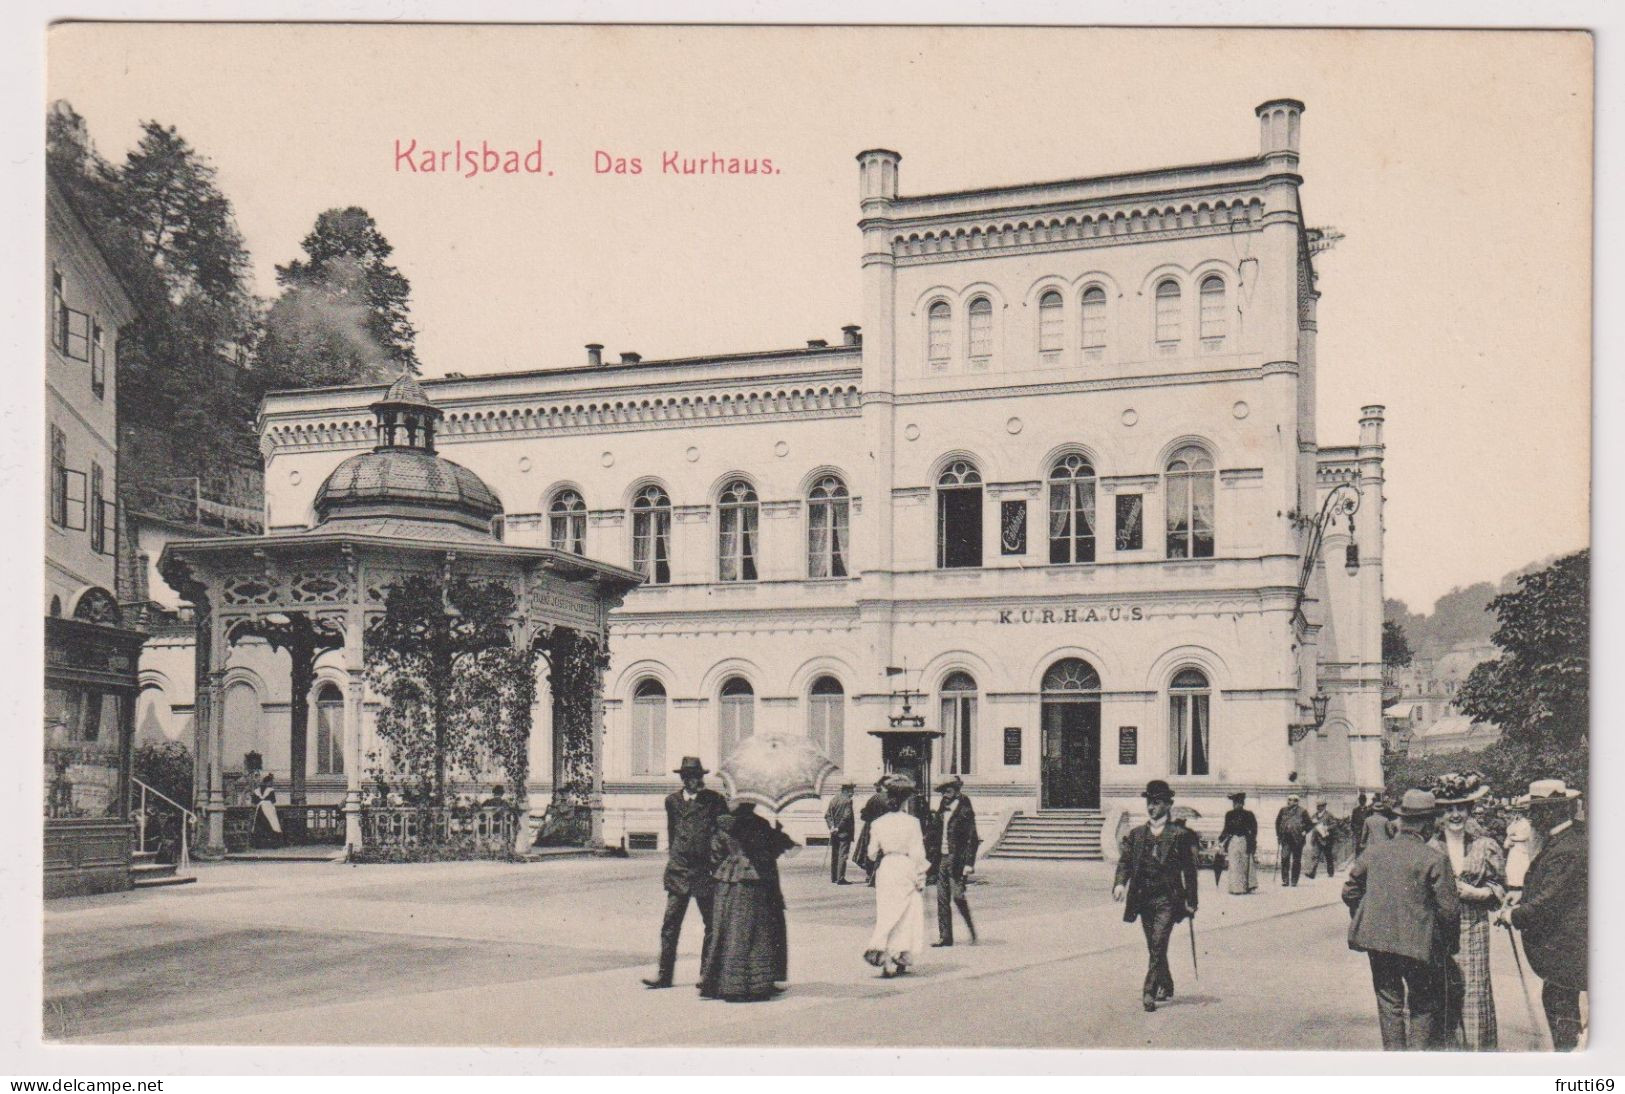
x=1070, y=754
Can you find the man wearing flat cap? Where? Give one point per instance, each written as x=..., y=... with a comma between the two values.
x=1552, y=915
x=1156, y=872
x=691, y=823
x=951, y=841
x=1406, y=917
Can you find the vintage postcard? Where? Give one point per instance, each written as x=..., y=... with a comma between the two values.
x=827, y=537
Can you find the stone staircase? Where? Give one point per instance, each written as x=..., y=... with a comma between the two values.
x=1063, y=834
x=146, y=872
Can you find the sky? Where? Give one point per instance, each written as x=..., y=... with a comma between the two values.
x=1456, y=165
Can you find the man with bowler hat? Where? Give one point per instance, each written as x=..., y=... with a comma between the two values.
x=691, y=823
x=838, y=818
x=1406, y=918
x=1552, y=915
x=951, y=841
x=1156, y=872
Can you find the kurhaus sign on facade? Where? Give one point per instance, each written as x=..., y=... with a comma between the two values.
x=1066, y=474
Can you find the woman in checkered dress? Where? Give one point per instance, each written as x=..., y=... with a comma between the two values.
x=1481, y=884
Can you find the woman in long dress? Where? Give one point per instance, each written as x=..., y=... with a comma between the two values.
x=267, y=824
x=1480, y=883
x=1240, y=842
x=896, y=844
x=750, y=943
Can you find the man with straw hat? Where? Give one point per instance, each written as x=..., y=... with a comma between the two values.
x=1156, y=872
x=1406, y=918
x=1552, y=914
x=691, y=824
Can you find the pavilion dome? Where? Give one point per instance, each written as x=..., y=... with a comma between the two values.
x=403, y=478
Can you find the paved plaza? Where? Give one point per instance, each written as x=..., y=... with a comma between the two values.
x=550, y=954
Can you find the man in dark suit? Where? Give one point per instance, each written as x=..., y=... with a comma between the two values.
x=691, y=822
x=1357, y=818
x=1552, y=915
x=1156, y=872
x=951, y=841
x=838, y=818
x=1406, y=918
x=1291, y=829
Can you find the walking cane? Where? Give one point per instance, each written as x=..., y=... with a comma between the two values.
x=1528, y=1002
x=1194, y=968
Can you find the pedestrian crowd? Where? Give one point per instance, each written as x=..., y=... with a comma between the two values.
x=1428, y=887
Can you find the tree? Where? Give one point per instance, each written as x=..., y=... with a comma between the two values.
x=1396, y=650
x=1538, y=690
x=343, y=316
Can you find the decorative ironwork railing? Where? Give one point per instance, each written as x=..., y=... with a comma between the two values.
x=412, y=832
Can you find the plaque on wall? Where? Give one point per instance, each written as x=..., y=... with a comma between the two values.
x=1128, y=745
x=1013, y=527
x=1012, y=746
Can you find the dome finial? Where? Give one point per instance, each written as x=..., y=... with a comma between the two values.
x=405, y=417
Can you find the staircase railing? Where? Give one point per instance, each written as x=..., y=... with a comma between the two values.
x=188, y=819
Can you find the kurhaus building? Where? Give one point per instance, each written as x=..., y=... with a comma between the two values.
x=1067, y=472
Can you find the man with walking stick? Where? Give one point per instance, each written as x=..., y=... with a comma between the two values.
x=1156, y=872
x=1552, y=914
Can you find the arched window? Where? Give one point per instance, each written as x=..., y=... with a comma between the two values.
x=648, y=744
x=958, y=722
x=959, y=516
x=567, y=523
x=1094, y=318
x=329, y=730
x=1190, y=504
x=826, y=718
x=1189, y=727
x=1072, y=510
x=939, y=331
x=1213, y=310
x=1168, y=307
x=651, y=535
x=828, y=528
x=1069, y=744
x=738, y=515
x=736, y=715
x=980, y=338
x=1050, y=331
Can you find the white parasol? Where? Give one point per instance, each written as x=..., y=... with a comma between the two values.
x=774, y=770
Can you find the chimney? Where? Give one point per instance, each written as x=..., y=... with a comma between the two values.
x=595, y=355
x=852, y=335
x=631, y=358
x=816, y=343
x=1279, y=121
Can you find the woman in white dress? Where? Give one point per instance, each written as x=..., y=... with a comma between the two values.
x=896, y=844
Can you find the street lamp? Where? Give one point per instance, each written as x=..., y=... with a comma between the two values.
x=1321, y=702
x=1297, y=731
x=1343, y=501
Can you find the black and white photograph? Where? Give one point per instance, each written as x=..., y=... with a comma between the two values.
x=821, y=537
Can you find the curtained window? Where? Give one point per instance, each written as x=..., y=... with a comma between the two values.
x=1213, y=310
x=1094, y=318
x=330, y=730
x=736, y=715
x=981, y=329
x=1190, y=504
x=1072, y=510
x=939, y=334
x=739, y=514
x=959, y=516
x=651, y=535
x=567, y=523
x=958, y=722
x=648, y=728
x=1050, y=328
x=826, y=718
x=828, y=528
x=1189, y=723
x=1168, y=306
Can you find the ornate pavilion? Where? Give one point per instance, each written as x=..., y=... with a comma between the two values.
x=382, y=516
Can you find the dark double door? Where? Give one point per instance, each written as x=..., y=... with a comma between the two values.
x=1070, y=758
